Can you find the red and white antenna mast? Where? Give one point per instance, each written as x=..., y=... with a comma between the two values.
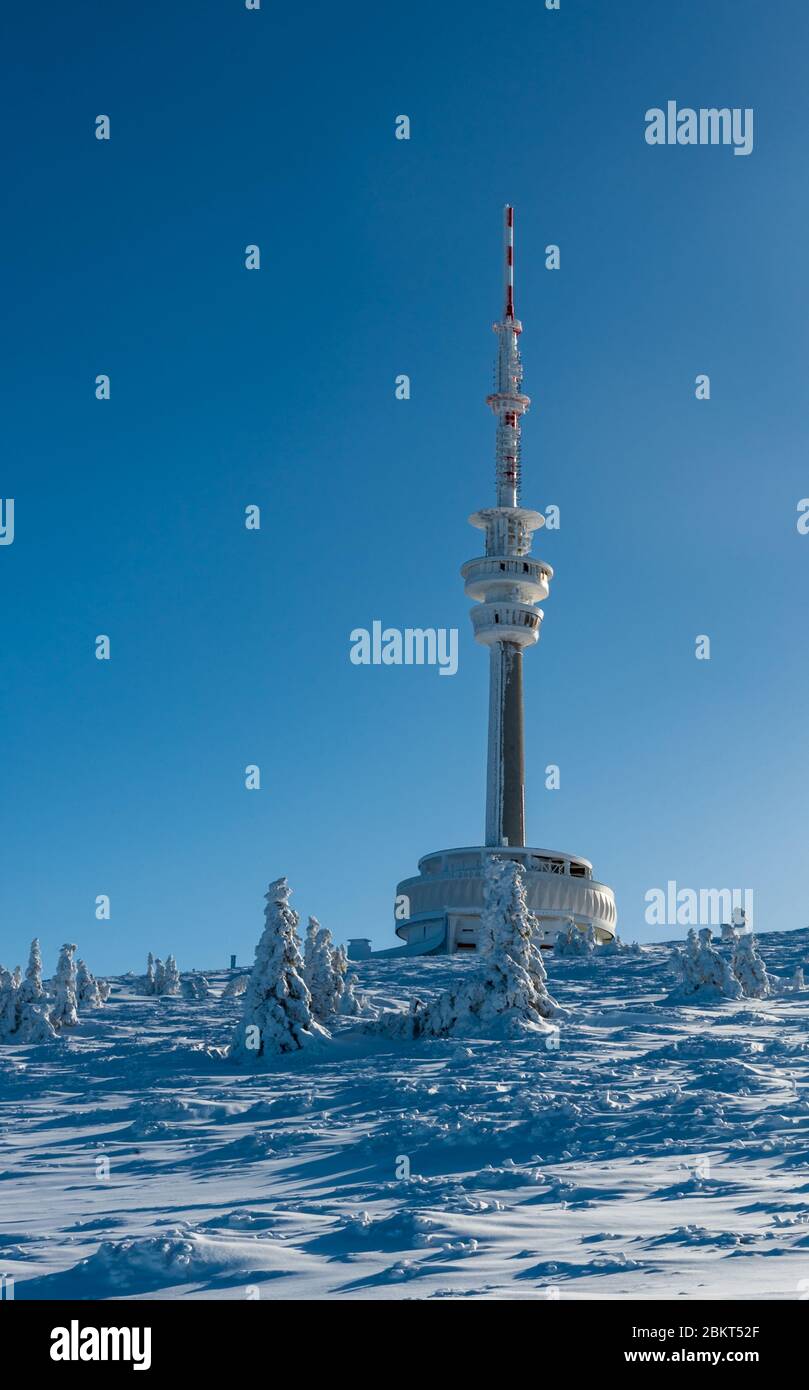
x=508, y=259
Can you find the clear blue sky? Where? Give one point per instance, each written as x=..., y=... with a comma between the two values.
x=276, y=387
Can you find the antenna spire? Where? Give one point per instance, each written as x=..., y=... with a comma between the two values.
x=508, y=401
x=508, y=261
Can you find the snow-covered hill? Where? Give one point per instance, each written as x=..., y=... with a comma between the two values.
x=658, y=1151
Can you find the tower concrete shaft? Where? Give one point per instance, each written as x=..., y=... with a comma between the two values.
x=505, y=773
x=505, y=582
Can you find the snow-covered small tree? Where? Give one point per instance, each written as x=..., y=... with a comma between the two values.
x=277, y=1014
x=8, y=1012
x=750, y=970
x=312, y=929
x=88, y=994
x=703, y=971
x=616, y=947
x=515, y=979
x=64, y=1013
x=571, y=941
x=195, y=987
x=150, y=974
x=713, y=968
x=159, y=976
x=171, y=977
x=235, y=986
x=509, y=991
x=690, y=962
x=349, y=1000
x=17, y=976
x=798, y=982
x=324, y=981
x=31, y=987
x=21, y=1020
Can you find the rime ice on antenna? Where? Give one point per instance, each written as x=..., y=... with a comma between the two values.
x=443, y=903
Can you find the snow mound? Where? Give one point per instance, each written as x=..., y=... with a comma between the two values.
x=135, y=1265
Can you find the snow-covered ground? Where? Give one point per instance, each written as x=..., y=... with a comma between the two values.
x=659, y=1152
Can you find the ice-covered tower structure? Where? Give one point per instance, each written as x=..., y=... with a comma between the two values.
x=439, y=909
x=506, y=582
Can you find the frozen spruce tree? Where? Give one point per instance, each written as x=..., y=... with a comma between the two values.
x=64, y=1013
x=702, y=971
x=324, y=981
x=312, y=929
x=277, y=1014
x=715, y=973
x=508, y=993
x=8, y=1002
x=685, y=964
x=616, y=947
x=235, y=986
x=31, y=987
x=572, y=942
x=798, y=981
x=88, y=994
x=150, y=974
x=171, y=977
x=514, y=977
x=750, y=970
x=159, y=976
x=21, y=1020
x=196, y=987
x=349, y=1001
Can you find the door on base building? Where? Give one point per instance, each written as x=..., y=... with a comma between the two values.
x=464, y=933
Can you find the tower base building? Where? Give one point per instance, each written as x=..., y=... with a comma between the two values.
x=444, y=901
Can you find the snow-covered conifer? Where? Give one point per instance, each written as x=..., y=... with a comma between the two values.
x=171, y=977
x=195, y=986
x=509, y=991
x=277, y=1014
x=17, y=976
x=88, y=994
x=150, y=974
x=349, y=1001
x=21, y=1020
x=65, y=1012
x=235, y=986
x=312, y=929
x=159, y=976
x=750, y=970
x=798, y=982
x=31, y=987
x=690, y=962
x=703, y=971
x=714, y=970
x=570, y=941
x=616, y=947
x=325, y=983
x=8, y=1011
x=515, y=980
